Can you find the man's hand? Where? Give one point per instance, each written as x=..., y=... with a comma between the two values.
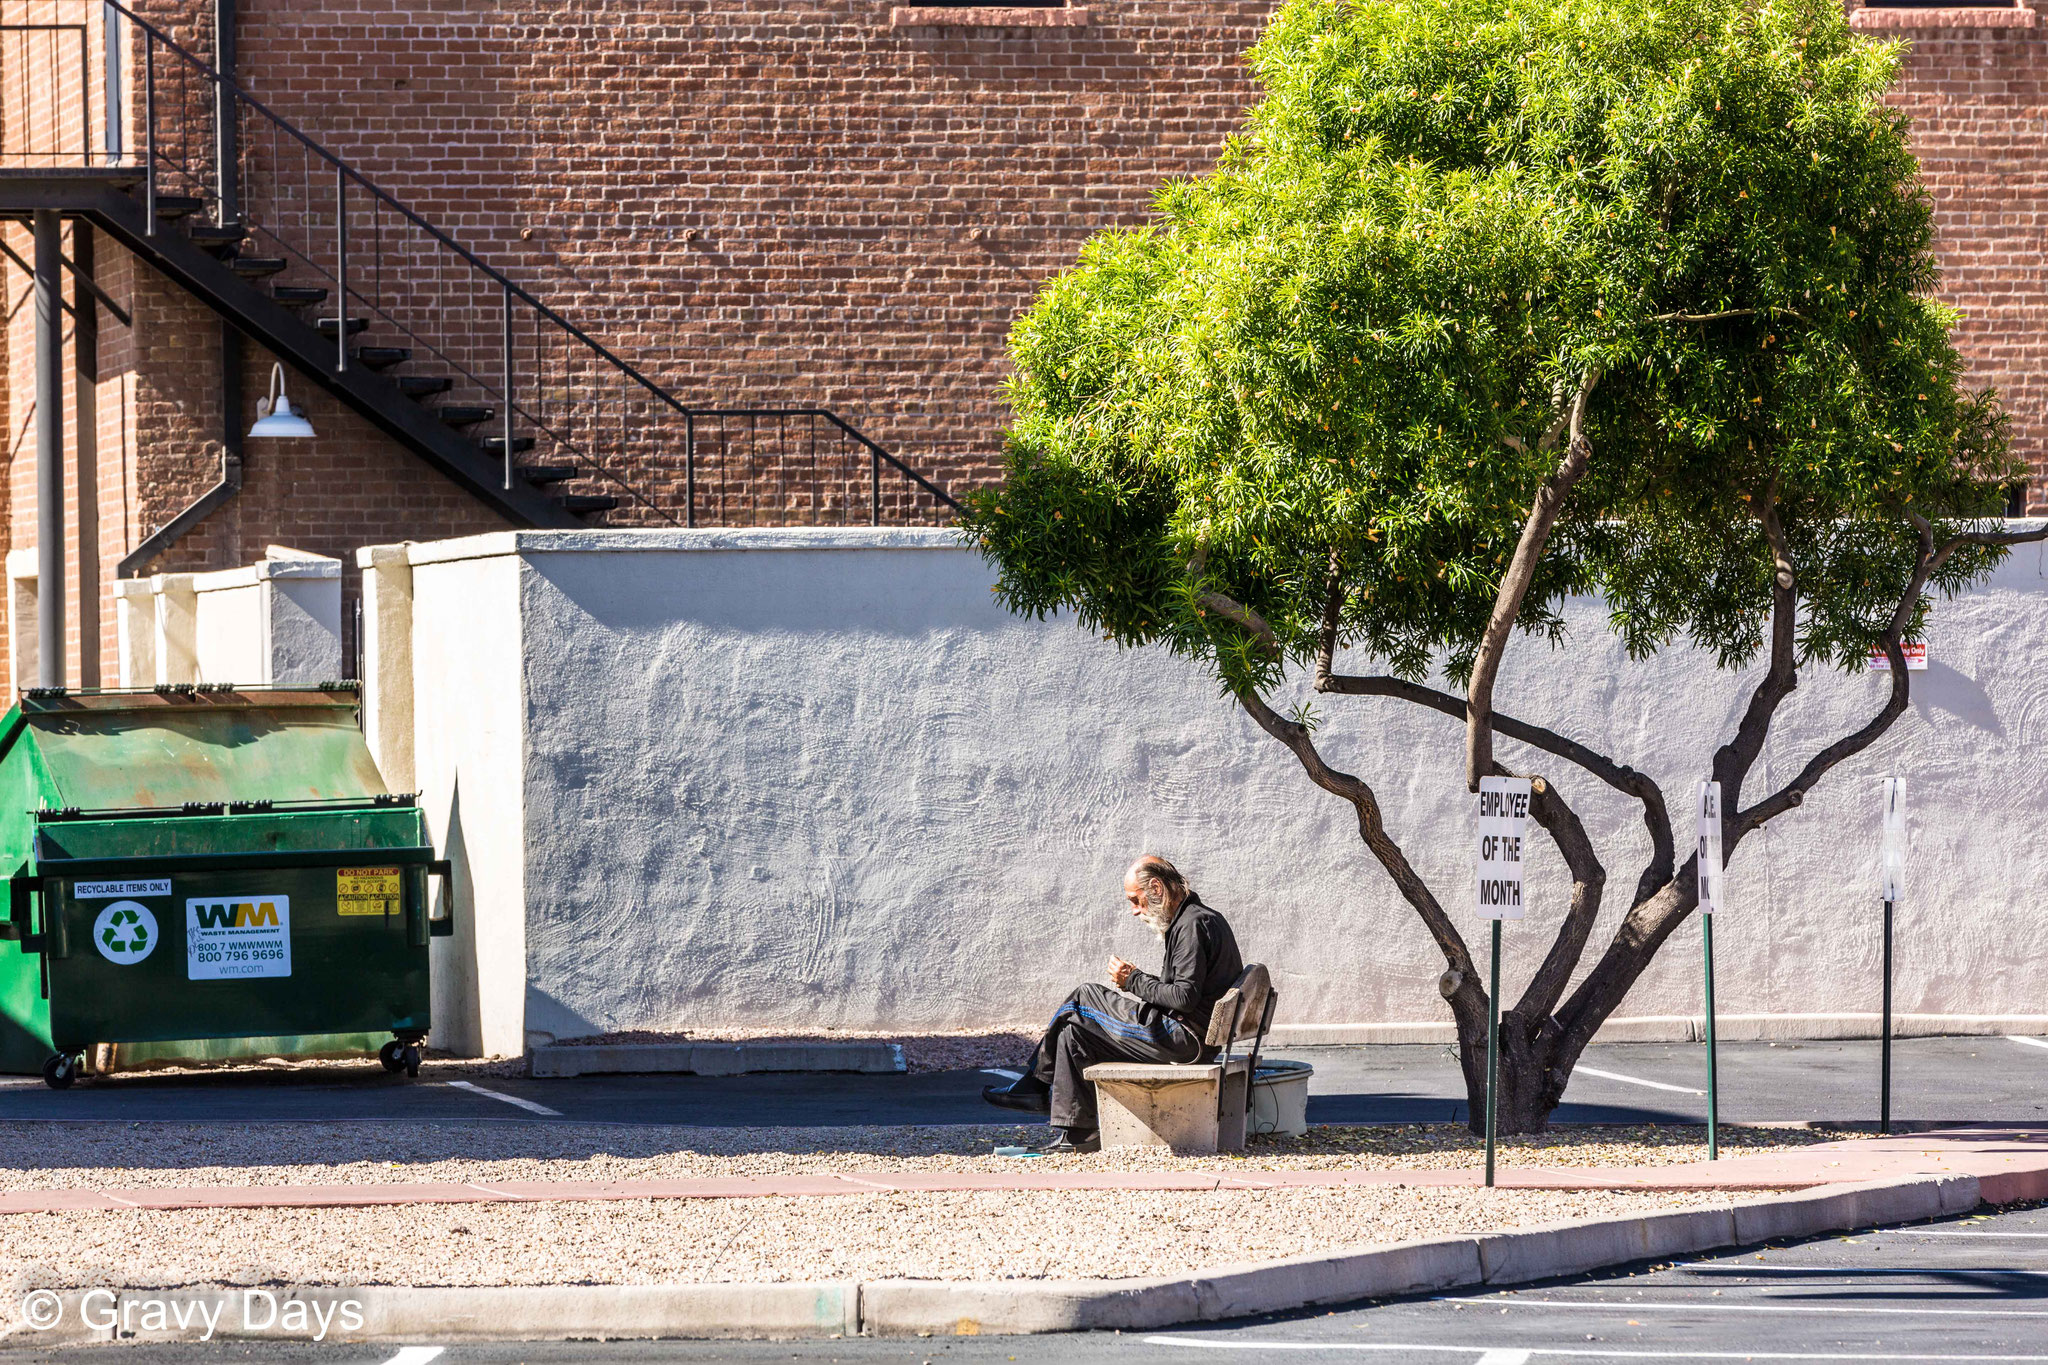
x=1120, y=972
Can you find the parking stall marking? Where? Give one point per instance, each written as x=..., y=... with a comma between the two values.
x=416, y=1355
x=1481, y=1354
x=1652, y=1306
x=1886, y=1271
x=2026, y=1042
x=508, y=1099
x=1584, y=1070
x=1956, y=1232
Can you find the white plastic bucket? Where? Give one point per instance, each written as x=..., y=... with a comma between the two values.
x=1280, y=1098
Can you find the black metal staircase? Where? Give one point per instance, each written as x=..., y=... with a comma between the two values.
x=366, y=298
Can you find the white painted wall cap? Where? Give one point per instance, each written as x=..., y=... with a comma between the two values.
x=499, y=543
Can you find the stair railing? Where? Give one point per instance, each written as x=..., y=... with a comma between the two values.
x=563, y=407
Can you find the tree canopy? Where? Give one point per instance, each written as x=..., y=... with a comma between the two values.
x=1359, y=339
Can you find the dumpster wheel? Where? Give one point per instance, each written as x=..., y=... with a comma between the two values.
x=399, y=1055
x=60, y=1071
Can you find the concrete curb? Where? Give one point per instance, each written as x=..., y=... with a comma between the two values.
x=713, y=1059
x=913, y=1307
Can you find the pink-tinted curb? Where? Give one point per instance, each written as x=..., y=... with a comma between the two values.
x=2010, y=1166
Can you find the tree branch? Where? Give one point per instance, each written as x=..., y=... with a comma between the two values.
x=1730, y=313
x=1333, y=610
x=1733, y=760
x=1929, y=559
x=1514, y=584
x=1619, y=776
x=1589, y=883
x=1243, y=616
x=1372, y=828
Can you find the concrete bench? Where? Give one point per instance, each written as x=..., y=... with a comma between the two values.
x=1194, y=1108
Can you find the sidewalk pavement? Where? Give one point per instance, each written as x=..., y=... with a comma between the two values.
x=2009, y=1164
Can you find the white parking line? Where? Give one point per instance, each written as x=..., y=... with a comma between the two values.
x=1569, y=1352
x=1773, y=1268
x=1949, y=1232
x=2026, y=1042
x=1504, y=1358
x=1635, y=1080
x=415, y=1355
x=508, y=1099
x=1004, y=1072
x=1652, y=1305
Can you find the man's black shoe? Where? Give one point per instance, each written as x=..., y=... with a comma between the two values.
x=1074, y=1140
x=1025, y=1094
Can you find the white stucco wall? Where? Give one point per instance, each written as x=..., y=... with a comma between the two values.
x=820, y=780
x=468, y=756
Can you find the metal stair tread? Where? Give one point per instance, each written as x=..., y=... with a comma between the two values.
x=461, y=415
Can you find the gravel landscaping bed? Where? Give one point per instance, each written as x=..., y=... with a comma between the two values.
x=1057, y=1235
x=69, y=1156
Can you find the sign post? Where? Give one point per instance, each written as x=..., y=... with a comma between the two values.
x=1503, y=823
x=1891, y=886
x=1712, y=892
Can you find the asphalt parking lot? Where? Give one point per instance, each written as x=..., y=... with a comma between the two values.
x=1971, y=1289
x=1981, y=1080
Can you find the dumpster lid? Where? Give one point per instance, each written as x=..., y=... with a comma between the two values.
x=204, y=743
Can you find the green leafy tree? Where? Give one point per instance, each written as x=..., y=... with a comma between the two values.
x=1494, y=302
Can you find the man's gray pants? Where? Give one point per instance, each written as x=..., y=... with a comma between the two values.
x=1097, y=1024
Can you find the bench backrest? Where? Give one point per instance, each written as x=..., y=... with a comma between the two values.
x=1242, y=1008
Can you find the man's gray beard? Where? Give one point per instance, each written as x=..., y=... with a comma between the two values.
x=1157, y=918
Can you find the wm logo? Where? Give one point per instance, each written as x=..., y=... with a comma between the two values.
x=235, y=914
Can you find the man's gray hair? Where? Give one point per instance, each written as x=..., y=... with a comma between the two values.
x=1174, y=888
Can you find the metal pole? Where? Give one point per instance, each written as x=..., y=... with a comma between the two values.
x=340, y=271
x=226, y=153
x=149, y=131
x=874, y=489
x=49, y=450
x=690, y=469
x=507, y=339
x=1713, y=1051
x=1492, y=1054
x=1884, y=1101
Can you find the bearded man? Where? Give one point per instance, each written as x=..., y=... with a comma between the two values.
x=1163, y=1018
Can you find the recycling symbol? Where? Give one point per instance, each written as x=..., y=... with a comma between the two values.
x=125, y=932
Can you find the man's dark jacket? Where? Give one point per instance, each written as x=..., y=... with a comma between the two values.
x=1201, y=963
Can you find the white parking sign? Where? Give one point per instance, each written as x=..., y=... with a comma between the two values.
x=1503, y=821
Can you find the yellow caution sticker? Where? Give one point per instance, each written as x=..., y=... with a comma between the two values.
x=367, y=891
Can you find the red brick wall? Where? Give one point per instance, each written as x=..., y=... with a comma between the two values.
x=792, y=201
x=1979, y=103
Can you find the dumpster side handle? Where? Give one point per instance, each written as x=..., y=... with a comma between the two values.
x=443, y=926
x=18, y=924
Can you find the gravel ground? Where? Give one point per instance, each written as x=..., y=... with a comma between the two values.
x=63, y=1156
x=931, y=1236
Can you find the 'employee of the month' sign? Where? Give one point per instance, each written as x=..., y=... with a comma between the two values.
x=1503, y=821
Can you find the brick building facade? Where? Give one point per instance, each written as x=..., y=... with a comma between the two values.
x=778, y=203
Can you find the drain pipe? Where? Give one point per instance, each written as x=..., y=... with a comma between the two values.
x=174, y=530
x=49, y=450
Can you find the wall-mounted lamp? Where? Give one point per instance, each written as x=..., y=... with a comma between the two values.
x=274, y=415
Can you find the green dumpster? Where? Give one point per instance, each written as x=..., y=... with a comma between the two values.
x=205, y=862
